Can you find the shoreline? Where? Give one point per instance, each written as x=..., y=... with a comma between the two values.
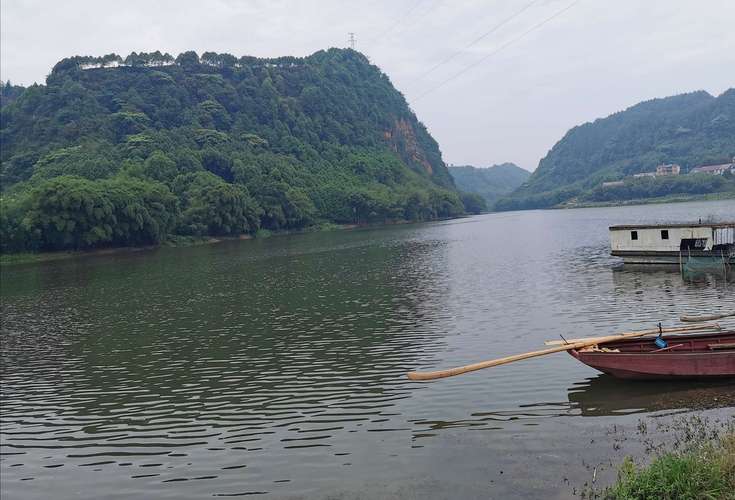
x=176, y=241
x=726, y=195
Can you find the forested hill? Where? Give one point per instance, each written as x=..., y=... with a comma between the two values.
x=491, y=183
x=689, y=129
x=115, y=151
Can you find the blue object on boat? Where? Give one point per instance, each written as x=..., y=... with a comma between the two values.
x=661, y=343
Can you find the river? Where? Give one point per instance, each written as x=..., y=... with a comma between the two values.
x=275, y=367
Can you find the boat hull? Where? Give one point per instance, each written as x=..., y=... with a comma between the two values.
x=688, y=357
x=668, y=258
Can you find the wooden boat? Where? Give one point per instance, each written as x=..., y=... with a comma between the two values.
x=706, y=355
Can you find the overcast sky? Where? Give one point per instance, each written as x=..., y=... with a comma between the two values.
x=543, y=68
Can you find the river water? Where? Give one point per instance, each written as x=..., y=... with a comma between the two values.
x=275, y=367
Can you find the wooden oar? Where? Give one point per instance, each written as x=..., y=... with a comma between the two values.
x=680, y=329
x=450, y=372
x=709, y=317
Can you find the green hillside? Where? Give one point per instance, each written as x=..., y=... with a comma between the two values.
x=114, y=151
x=688, y=129
x=491, y=183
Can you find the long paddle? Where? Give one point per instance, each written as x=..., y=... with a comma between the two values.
x=680, y=329
x=709, y=317
x=450, y=372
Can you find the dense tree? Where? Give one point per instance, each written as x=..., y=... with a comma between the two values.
x=474, y=203
x=217, y=208
x=73, y=213
x=124, y=151
x=9, y=93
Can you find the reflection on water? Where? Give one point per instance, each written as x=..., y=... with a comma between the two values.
x=604, y=395
x=276, y=366
x=706, y=277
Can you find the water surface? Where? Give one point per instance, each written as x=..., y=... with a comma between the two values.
x=275, y=367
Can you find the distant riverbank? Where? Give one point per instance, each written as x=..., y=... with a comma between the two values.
x=186, y=241
x=728, y=195
x=172, y=241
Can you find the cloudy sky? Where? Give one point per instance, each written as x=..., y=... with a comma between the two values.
x=493, y=80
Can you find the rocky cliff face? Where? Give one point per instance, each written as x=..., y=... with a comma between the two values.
x=402, y=140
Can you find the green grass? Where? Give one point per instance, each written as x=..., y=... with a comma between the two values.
x=703, y=471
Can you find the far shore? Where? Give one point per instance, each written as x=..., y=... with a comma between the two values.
x=186, y=241
x=726, y=195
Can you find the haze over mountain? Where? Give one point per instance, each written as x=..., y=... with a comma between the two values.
x=492, y=182
x=688, y=129
x=215, y=145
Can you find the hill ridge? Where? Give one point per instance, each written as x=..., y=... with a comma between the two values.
x=688, y=129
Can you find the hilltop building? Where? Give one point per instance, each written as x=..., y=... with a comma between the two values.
x=669, y=169
x=662, y=171
x=714, y=169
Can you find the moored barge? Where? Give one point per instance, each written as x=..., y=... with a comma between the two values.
x=673, y=243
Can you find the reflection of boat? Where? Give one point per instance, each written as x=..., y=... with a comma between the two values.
x=683, y=356
x=605, y=395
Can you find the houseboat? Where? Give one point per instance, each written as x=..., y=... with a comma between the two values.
x=673, y=243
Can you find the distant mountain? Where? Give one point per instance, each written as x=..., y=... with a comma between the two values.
x=688, y=129
x=491, y=183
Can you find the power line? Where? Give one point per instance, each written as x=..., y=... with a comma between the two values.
x=486, y=57
x=395, y=24
x=473, y=42
x=417, y=18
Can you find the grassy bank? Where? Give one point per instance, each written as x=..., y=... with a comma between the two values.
x=706, y=471
x=696, y=461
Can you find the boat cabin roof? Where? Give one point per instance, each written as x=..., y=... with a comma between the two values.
x=715, y=225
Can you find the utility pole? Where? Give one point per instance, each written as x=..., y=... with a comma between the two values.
x=351, y=40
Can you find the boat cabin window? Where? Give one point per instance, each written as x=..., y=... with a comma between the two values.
x=693, y=243
x=634, y=235
x=664, y=234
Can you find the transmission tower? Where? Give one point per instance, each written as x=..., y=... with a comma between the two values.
x=351, y=40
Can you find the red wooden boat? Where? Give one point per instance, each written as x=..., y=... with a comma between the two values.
x=686, y=356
